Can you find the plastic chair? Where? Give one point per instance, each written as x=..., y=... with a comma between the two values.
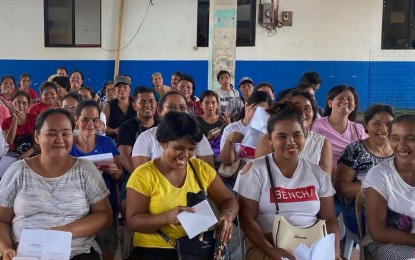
x=352, y=238
x=359, y=210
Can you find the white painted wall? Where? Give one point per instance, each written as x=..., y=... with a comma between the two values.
x=322, y=30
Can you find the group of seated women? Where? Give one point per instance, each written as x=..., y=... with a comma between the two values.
x=52, y=188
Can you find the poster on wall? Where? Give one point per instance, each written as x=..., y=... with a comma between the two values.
x=222, y=40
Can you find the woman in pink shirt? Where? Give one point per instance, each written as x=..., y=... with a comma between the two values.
x=337, y=123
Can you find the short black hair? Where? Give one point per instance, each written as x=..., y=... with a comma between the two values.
x=87, y=103
x=143, y=89
x=264, y=84
x=220, y=73
x=303, y=85
x=63, y=81
x=106, y=84
x=282, y=94
x=40, y=120
x=80, y=73
x=282, y=111
x=176, y=125
x=162, y=100
x=73, y=95
x=404, y=118
x=334, y=92
x=259, y=97
x=62, y=68
x=48, y=84
x=207, y=93
x=8, y=76
x=178, y=74
x=25, y=75
x=191, y=80
x=377, y=108
x=21, y=93
x=311, y=77
x=300, y=92
x=92, y=92
x=254, y=99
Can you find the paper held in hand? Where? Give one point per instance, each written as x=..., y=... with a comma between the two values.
x=197, y=222
x=322, y=249
x=44, y=244
x=100, y=159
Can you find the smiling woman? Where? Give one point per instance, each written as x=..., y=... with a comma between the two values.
x=34, y=191
x=89, y=143
x=48, y=98
x=337, y=124
x=158, y=190
x=291, y=174
x=19, y=128
x=360, y=156
x=389, y=196
x=7, y=84
x=187, y=86
x=317, y=148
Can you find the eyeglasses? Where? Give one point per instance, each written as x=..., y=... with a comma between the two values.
x=86, y=120
x=72, y=108
x=176, y=108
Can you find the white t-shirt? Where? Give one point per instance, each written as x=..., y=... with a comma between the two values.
x=400, y=196
x=225, y=96
x=233, y=127
x=298, y=196
x=41, y=203
x=148, y=146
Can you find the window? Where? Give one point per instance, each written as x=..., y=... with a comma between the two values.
x=398, y=27
x=72, y=23
x=245, y=28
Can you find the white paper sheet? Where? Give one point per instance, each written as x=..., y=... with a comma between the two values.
x=100, y=159
x=195, y=223
x=259, y=120
x=5, y=163
x=45, y=244
x=322, y=249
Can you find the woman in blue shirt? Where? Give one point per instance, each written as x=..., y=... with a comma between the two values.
x=89, y=143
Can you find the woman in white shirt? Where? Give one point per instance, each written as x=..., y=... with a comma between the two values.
x=303, y=190
x=234, y=133
x=389, y=189
x=317, y=148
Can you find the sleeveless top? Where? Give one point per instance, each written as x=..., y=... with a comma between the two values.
x=312, y=147
x=117, y=117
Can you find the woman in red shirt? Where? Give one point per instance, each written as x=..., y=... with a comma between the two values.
x=48, y=98
x=24, y=85
x=19, y=128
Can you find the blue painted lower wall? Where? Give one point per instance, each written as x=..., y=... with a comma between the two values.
x=376, y=82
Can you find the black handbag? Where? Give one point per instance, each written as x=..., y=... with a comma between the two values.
x=201, y=247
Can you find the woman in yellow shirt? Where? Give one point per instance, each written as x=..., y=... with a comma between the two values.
x=157, y=190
